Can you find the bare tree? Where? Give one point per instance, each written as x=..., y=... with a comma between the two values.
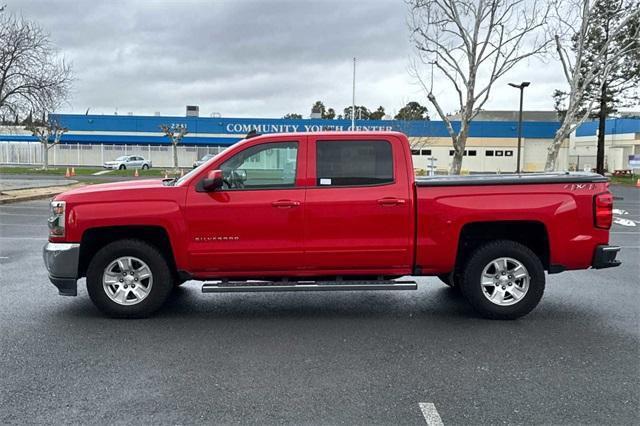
x=175, y=133
x=32, y=76
x=571, y=46
x=48, y=132
x=471, y=44
x=420, y=142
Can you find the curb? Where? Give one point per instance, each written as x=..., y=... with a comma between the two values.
x=18, y=195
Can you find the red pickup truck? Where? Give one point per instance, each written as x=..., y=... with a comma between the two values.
x=327, y=211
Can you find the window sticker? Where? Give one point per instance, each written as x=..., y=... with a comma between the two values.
x=324, y=181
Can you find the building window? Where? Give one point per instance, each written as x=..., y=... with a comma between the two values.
x=472, y=153
x=353, y=163
x=499, y=153
x=489, y=153
x=426, y=152
x=415, y=152
x=451, y=152
x=508, y=153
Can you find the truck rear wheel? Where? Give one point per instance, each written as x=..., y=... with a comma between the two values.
x=128, y=279
x=503, y=280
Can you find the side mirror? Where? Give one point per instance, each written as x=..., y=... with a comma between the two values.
x=213, y=181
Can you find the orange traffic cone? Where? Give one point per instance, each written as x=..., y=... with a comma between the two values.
x=135, y=174
x=73, y=171
x=638, y=183
x=67, y=174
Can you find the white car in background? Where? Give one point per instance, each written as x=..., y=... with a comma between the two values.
x=203, y=160
x=128, y=162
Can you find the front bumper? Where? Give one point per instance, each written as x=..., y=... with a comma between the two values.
x=61, y=260
x=605, y=257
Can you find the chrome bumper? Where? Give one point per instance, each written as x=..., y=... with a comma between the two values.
x=61, y=260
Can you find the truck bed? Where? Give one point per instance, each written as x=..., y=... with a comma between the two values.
x=556, y=207
x=510, y=179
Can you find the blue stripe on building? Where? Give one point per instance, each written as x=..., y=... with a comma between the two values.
x=227, y=131
x=615, y=126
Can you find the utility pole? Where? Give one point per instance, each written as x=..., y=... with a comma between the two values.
x=520, y=86
x=353, y=98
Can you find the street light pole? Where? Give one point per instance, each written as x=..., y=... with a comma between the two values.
x=353, y=98
x=520, y=86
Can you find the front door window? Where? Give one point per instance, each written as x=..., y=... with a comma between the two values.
x=271, y=165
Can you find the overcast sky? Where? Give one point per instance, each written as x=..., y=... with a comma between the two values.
x=248, y=58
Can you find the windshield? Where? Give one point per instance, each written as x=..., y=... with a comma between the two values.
x=124, y=157
x=206, y=157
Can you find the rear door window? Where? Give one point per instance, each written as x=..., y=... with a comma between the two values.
x=353, y=163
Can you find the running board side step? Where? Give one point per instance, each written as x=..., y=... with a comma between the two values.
x=266, y=286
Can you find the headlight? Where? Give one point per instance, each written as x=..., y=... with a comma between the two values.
x=57, y=219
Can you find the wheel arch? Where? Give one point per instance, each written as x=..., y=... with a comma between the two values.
x=532, y=234
x=94, y=239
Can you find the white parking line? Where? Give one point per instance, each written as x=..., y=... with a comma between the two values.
x=430, y=414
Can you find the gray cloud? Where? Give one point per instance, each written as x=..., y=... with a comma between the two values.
x=244, y=58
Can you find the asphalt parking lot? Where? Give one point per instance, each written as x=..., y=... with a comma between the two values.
x=319, y=358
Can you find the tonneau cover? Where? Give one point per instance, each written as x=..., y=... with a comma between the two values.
x=510, y=179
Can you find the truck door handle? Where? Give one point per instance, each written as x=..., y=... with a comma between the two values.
x=285, y=204
x=387, y=202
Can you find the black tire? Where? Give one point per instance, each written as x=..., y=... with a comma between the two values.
x=162, y=278
x=122, y=167
x=480, y=258
x=145, y=167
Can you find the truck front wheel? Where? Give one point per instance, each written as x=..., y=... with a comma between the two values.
x=503, y=280
x=128, y=279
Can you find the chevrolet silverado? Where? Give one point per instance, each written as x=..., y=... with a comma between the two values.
x=325, y=212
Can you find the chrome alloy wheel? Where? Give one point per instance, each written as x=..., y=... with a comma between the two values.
x=505, y=281
x=127, y=280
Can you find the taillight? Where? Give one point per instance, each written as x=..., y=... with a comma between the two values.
x=603, y=210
